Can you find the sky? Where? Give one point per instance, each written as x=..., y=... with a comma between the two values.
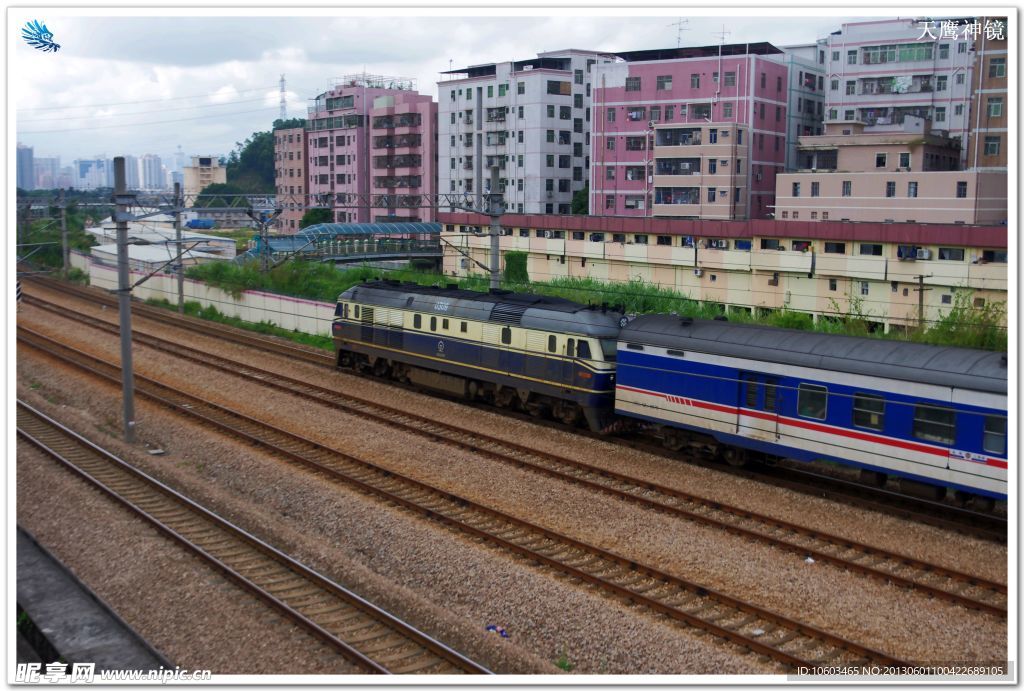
x=131, y=85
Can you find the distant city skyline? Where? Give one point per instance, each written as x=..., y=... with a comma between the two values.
x=132, y=85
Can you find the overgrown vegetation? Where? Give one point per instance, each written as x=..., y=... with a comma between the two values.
x=515, y=267
x=45, y=235
x=963, y=325
x=211, y=313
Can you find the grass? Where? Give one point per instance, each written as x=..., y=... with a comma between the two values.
x=241, y=236
x=563, y=662
x=963, y=325
x=195, y=309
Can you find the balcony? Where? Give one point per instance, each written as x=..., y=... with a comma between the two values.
x=496, y=114
x=468, y=141
x=393, y=121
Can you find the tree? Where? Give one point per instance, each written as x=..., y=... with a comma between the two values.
x=220, y=188
x=289, y=124
x=581, y=201
x=250, y=165
x=314, y=216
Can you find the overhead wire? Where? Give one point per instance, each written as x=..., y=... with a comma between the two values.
x=154, y=100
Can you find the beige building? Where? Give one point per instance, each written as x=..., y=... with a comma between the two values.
x=907, y=176
x=205, y=170
x=821, y=269
x=700, y=171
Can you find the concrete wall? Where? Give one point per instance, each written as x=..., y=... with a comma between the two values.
x=295, y=314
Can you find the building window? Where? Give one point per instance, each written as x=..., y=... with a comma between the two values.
x=796, y=189
x=851, y=88
x=815, y=189
x=835, y=248
x=880, y=160
x=848, y=115
x=958, y=109
x=905, y=159
x=864, y=287
x=943, y=51
x=664, y=83
x=995, y=106
x=890, y=189
x=812, y=401
x=961, y=190
x=727, y=109
x=610, y=144
x=609, y=201
x=730, y=79
x=961, y=48
x=670, y=112
x=940, y=115
x=947, y=299
x=609, y=114
x=992, y=146
x=632, y=83
x=868, y=411
x=847, y=188
x=834, y=85
x=870, y=250
x=941, y=82
x=694, y=81
x=997, y=67
x=833, y=284
x=911, y=189
x=935, y=424
x=952, y=254
x=851, y=57
x=785, y=214
x=835, y=56
x=960, y=78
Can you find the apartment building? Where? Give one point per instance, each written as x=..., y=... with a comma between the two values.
x=204, y=171
x=26, y=174
x=341, y=142
x=47, y=172
x=290, y=179
x=93, y=173
x=530, y=118
x=152, y=174
x=403, y=146
x=805, y=95
x=987, y=149
x=882, y=71
x=821, y=269
x=855, y=173
x=667, y=95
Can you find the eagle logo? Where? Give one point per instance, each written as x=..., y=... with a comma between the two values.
x=39, y=37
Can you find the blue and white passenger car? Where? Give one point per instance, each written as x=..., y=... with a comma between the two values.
x=933, y=416
x=546, y=355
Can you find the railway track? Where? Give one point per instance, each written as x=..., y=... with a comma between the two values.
x=779, y=638
x=901, y=570
x=373, y=640
x=940, y=514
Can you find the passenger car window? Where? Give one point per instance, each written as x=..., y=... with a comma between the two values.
x=506, y=335
x=935, y=424
x=995, y=434
x=465, y=327
x=433, y=323
x=583, y=349
x=812, y=401
x=868, y=411
x=417, y=321
x=552, y=343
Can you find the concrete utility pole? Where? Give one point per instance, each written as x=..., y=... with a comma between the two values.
x=179, y=268
x=64, y=246
x=920, y=300
x=495, y=207
x=123, y=199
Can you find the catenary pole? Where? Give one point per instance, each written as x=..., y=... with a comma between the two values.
x=122, y=200
x=494, y=210
x=180, y=268
x=65, y=248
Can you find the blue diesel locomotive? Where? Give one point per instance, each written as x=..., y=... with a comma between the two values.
x=547, y=355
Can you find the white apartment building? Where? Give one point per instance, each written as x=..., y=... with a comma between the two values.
x=531, y=118
x=878, y=72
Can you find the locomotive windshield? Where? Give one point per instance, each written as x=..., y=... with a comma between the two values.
x=608, y=348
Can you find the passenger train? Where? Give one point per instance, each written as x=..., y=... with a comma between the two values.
x=934, y=417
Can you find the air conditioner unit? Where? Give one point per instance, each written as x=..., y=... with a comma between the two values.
x=923, y=253
x=698, y=272
x=543, y=233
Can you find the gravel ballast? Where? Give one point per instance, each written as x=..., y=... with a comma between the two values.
x=823, y=596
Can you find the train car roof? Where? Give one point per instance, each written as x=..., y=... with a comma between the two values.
x=961, y=368
x=516, y=309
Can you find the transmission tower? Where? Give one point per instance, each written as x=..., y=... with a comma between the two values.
x=284, y=108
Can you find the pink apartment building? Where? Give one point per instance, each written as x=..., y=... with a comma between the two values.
x=349, y=154
x=290, y=176
x=673, y=126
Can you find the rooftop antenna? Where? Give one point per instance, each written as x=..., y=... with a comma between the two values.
x=679, y=30
x=284, y=108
